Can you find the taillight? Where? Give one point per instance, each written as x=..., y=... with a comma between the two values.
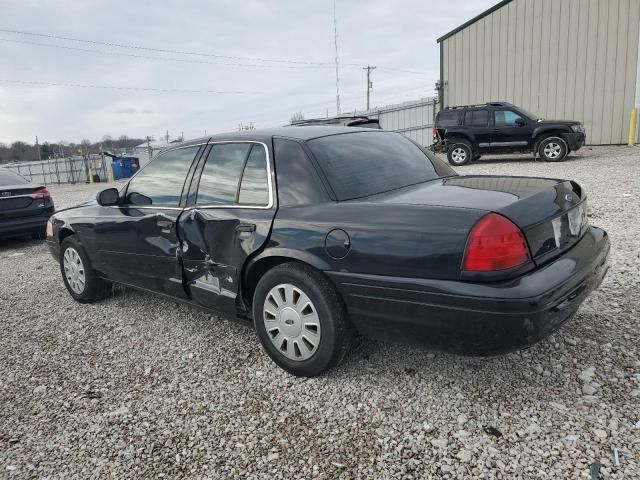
x=495, y=243
x=40, y=193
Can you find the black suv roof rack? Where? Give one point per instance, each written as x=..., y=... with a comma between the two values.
x=333, y=120
x=488, y=104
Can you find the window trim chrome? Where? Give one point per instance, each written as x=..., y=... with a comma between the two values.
x=237, y=205
x=269, y=205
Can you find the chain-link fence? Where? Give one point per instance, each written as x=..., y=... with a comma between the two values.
x=77, y=169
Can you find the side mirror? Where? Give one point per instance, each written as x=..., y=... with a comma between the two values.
x=520, y=122
x=108, y=197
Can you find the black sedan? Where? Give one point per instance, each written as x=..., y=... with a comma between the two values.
x=314, y=234
x=25, y=207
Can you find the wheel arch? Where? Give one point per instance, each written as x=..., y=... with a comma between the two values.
x=64, y=232
x=257, y=266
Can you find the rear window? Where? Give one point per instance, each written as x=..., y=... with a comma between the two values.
x=365, y=163
x=7, y=177
x=447, y=118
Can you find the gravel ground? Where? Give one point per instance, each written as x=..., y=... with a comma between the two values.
x=138, y=387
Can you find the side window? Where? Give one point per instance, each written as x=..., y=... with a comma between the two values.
x=254, y=186
x=221, y=174
x=447, y=118
x=161, y=182
x=297, y=179
x=477, y=118
x=506, y=118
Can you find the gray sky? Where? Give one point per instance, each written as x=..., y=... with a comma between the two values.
x=393, y=35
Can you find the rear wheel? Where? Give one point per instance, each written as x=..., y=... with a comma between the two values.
x=81, y=280
x=553, y=149
x=301, y=320
x=459, y=153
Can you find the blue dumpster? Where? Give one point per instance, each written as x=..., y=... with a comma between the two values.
x=124, y=167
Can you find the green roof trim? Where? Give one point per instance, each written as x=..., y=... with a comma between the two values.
x=474, y=20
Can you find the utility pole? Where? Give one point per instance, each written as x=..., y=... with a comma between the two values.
x=368, y=68
x=149, y=152
x=38, y=148
x=335, y=42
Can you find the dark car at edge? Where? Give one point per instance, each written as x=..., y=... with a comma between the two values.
x=25, y=206
x=316, y=234
x=467, y=132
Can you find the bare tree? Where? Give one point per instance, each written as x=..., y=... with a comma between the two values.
x=296, y=117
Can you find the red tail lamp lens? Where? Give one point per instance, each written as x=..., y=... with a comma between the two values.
x=40, y=193
x=495, y=243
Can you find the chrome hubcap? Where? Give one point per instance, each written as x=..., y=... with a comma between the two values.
x=291, y=322
x=552, y=150
x=458, y=155
x=74, y=270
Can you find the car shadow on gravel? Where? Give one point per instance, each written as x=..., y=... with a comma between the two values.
x=18, y=243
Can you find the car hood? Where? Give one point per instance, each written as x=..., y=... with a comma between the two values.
x=89, y=203
x=568, y=123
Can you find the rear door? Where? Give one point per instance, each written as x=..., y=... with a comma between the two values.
x=136, y=243
x=228, y=218
x=477, y=124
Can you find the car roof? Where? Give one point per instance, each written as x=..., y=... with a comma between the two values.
x=263, y=135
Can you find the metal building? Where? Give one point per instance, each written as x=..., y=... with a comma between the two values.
x=561, y=59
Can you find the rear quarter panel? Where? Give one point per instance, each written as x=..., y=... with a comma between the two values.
x=397, y=240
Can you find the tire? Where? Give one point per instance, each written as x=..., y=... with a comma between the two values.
x=459, y=153
x=553, y=149
x=283, y=296
x=81, y=280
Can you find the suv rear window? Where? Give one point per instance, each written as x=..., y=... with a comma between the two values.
x=365, y=163
x=447, y=118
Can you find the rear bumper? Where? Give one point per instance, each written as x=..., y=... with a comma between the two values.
x=575, y=141
x=473, y=318
x=24, y=225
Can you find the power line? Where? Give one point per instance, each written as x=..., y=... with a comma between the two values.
x=162, y=50
x=114, y=87
x=185, y=52
x=184, y=60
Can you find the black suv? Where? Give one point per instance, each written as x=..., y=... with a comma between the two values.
x=467, y=132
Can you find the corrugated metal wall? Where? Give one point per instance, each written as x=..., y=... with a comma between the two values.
x=413, y=119
x=561, y=59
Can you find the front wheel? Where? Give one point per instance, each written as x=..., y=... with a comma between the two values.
x=300, y=320
x=553, y=149
x=459, y=153
x=81, y=280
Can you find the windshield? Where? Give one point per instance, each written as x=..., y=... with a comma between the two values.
x=365, y=163
x=532, y=116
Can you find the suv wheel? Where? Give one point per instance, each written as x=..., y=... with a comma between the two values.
x=301, y=320
x=459, y=153
x=553, y=149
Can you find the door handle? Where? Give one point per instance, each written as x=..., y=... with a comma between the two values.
x=246, y=227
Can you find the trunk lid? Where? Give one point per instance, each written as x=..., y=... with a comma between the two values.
x=551, y=213
x=15, y=201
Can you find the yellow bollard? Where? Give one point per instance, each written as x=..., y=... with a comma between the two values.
x=90, y=175
x=633, y=127
x=110, y=174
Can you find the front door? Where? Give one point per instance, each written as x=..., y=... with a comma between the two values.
x=512, y=132
x=229, y=219
x=137, y=241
